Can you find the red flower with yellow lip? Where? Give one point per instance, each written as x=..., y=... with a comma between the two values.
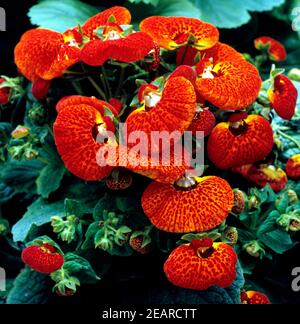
x=80, y=130
x=201, y=264
x=43, y=258
x=242, y=140
x=264, y=174
x=283, y=97
x=275, y=49
x=113, y=38
x=254, y=298
x=42, y=55
x=225, y=78
x=171, y=109
x=191, y=204
x=172, y=32
x=4, y=94
x=293, y=167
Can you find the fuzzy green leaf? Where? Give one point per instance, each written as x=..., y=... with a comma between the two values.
x=38, y=213
x=60, y=15
x=30, y=287
x=80, y=268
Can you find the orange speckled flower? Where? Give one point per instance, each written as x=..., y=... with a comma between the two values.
x=254, y=297
x=82, y=100
x=283, y=97
x=171, y=110
x=225, y=78
x=275, y=49
x=293, y=167
x=264, y=174
x=201, y=264
x=204, y=121
x=4, y=94
x=111, y=37
x=150, y=167
x=46, y=54
x=78, y=131
x=242, y=140
x=189, y=205
x=121, y=16
x=43, y=258
x=173, y=32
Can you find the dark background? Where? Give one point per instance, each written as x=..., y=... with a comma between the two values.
x=149, y=269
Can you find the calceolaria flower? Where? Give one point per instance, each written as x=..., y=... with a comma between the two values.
x=189, y=205
x=173, y=32
x=201, y=264
x=4, y=93
x=20, y=132
x=283, y=96
x=80, y=130
x=254, y=298
x=242, y=140
x=290, y=221
x=42, y=258
x=293, y=167
x=263, y=174
x=224, y=77
x=119, y=180
x=112, y=37
x=275, y=50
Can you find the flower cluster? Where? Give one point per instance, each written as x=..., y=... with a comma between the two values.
x=211, y=91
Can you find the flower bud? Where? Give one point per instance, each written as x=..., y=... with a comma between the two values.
x=20, y=132
x=254, y=249
x=239, y=201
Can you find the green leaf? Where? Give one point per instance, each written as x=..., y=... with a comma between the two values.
x=80, y=268
x=38, y=213
x=277, y=240
x=152, y=2
x=30, y=287
x=107, y=202
x=21, y=175
x=89, y=242
x=223, y=14
x=60, y=15
x=50, y=178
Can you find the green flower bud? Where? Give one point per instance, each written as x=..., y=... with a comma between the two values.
x=30, y=154
x=230, y=235
x=20, y=132
x=254, y=249
x=37, y=114
x=104, y=243
x=15, y=152
x=293, y=197
x=294, y=74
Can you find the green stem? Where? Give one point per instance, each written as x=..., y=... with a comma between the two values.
x=77, y=87
x=288, y=137
x=121, y=80
x=97, y=88
x=106, y=82
x=39, y=158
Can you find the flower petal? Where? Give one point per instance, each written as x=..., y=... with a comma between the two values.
x=129, y=49
x=275, y=49
x=187, y=270
x=122, y=17
x=293, y=167
x=76, y=144
x=42, y=53
x=82, y=100
x=227, y=149
x=236, y=84
x=174, y=112
x=284, y=97
x=171, y=32
x=198, y=209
